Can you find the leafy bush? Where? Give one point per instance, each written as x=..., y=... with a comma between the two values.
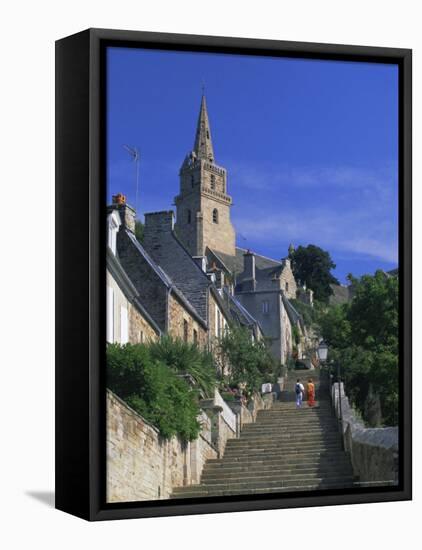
x=186, y=358
x=250, y=362
x=153, y=390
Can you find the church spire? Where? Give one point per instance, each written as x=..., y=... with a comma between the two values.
x=203, y=143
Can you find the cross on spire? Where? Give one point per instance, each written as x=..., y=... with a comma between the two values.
x=203, y=143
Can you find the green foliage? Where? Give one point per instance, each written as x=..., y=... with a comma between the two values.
x=153, y=390
x=139, y=231
x=295, y=335
x=312, y=266
x=307, y=311
x=186, y=358
x=250, y=361
x=363, y=337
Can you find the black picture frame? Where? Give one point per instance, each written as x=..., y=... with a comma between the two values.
x=80, y=267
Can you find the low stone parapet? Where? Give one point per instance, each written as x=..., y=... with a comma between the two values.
x=373, y=451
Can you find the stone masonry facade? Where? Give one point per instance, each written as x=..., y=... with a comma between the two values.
x=141, y=465
x=140, y=330
x=182, y=324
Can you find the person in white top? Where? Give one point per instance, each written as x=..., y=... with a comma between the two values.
x=299, y=390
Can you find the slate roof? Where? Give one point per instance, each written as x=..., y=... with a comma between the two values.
x=128, y=288
x=177, y=264
x=235, y=263
x=166, y=279
x=239, y=312
x=293, y=314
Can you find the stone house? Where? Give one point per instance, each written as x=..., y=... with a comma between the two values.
x=189, y=274
x=127, y=319
x=171, y=311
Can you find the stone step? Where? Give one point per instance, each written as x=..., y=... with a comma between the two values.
x=270, y=453
x=277, y=464
x=185, y=493
x=275, y=474
x=281, y=440
x=288, y=453
x=263, y=431
x=268, y=484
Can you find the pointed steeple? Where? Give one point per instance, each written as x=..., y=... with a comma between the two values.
x=203, y=142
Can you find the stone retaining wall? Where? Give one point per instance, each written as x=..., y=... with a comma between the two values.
x=373, y=451
x=141, y=465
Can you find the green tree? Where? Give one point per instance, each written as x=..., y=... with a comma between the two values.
x=312, y=266
x=249, y=361
x=363, y=337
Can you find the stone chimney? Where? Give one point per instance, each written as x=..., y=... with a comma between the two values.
x=287, y=263
x=127, y=213
x=249, y=281
x=158, y=226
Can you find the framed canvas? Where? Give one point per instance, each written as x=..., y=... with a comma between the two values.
x=233, y=274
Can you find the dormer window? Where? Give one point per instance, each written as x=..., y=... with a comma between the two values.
x=212, y=181
x=215, y=215
x=113, y=224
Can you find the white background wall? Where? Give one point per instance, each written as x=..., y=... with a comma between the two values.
x=29, y=29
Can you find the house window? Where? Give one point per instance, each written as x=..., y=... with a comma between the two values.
x=189, y=216
x=287, y=287
x=212, y=181
x=113, y=226
x=195, y=337
x=215, y=215
x=110, y=314
x=124, y=332
x=265, y=306
x=185, y=330
x=140, y=337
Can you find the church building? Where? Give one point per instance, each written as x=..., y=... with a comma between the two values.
x=261, y=285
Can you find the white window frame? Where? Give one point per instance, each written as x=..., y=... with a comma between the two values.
x=113, y=227
x=124, y=325
x=110, y=314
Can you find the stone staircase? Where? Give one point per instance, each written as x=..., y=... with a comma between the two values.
x=285, y=450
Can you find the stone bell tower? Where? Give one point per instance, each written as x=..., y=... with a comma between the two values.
x=203, y=205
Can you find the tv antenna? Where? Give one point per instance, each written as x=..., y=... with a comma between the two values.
x=134, y=153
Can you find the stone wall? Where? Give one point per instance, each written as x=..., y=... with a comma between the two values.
x=141, y=465
x=287, y=280
x=140, y=330
x=177, y=317
x=373, y=451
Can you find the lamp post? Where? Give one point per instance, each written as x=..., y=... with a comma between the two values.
x=340, y=409
x=322, y=351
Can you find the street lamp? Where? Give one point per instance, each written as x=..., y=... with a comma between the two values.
x=322, y=351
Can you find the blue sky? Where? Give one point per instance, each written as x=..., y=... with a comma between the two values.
x=310, y=146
